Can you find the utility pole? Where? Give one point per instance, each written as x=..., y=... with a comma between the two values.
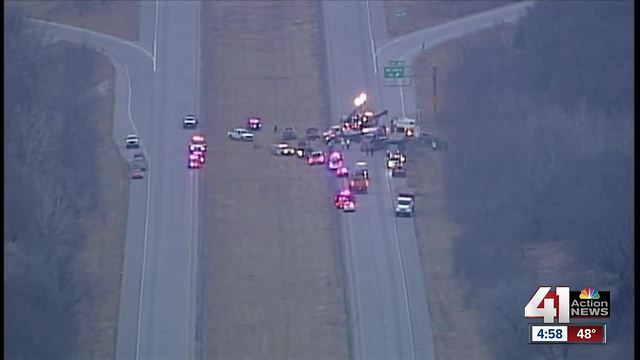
x=435, y=92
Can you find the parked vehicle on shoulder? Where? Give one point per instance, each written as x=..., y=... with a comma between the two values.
x=136, y=171
x=132, y=141
x=140, y=160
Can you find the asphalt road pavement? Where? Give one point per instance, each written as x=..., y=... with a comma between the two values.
x=386, y=294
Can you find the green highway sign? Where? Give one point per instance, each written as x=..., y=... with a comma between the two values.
x=400, y=12
x=396, y=63
x=394, y=72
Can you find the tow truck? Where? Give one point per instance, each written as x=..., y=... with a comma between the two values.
x=359, y=120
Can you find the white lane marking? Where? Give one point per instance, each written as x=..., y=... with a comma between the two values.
x=97, y=34
x=194, y=244
x=373, y=44
x=357, y=314
x=496, y=12
x=190, y=259
x=146, y=220
x=404, y=276
x=155, y=39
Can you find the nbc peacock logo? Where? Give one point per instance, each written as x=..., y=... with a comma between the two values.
x=589, y=294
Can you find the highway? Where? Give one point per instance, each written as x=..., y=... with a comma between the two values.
x=388, y=314
x=157, y=83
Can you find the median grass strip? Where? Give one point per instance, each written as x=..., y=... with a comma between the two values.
x=272, y=284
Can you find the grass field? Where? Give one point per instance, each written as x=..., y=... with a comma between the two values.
x=98, y=263
x=273, y=288
x=117, y=18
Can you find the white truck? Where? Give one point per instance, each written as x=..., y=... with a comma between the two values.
x=406, y=126
x=405, y=203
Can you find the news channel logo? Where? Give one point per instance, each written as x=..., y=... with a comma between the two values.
x=564, y=304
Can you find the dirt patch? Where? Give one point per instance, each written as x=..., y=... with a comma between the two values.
x=405, y=16
x=117, y=18
x=272, y=286
x=98, y=263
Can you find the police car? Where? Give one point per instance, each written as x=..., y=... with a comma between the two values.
x=254, y=123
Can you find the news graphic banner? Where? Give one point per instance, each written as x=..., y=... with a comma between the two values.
x=558, y=307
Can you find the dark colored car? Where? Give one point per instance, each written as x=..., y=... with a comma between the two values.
x=289, y=133
x=312, y=134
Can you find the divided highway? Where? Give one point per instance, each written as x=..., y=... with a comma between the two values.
x=157, y=83
x=387, y=305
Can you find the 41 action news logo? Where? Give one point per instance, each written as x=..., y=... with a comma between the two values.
x=564, y=304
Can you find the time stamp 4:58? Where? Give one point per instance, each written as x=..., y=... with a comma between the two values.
x=568, y=334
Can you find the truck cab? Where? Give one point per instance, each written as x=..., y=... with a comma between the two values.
x=358, y=183
x=405, y=125
x=405, y=203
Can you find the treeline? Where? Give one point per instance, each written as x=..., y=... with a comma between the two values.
x=539, y=169
x=49, y=174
